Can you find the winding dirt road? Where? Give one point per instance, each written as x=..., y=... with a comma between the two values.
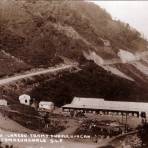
x=39, y=72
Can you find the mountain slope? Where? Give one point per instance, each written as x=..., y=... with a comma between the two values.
x=43, y=31
x=40, y=34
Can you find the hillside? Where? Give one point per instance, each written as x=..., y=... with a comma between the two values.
x=10, y=64
x=93, y=82
x=44, y=31
x=112, y=56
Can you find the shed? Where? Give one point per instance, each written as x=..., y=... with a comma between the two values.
x=46, y=106
x=3, y=102
x=25, y=99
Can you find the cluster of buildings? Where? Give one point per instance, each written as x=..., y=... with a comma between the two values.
x=88, y=105
x=28, y=101
x=41, y=106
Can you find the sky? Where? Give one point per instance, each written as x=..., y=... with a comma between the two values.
x=134, y=13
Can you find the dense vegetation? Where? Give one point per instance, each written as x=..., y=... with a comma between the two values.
x=92, y=82
x=41, y=33
x=45, y=33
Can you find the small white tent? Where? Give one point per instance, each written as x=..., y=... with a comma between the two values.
x=25, y=99
x=46, y=106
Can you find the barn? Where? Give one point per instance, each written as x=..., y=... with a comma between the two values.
x=99, y=105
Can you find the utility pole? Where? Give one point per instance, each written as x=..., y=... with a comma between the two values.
x=122, y=117
x=126, y=123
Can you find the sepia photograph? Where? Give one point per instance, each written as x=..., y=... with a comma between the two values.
x=73, y=74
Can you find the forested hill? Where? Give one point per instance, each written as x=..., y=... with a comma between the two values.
x=41, y=33
x=111, y=54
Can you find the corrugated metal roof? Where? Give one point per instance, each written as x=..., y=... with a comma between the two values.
x=86, y=101
x=94, y=103
x=46, y=103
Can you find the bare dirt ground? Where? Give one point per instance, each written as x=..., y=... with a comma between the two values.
x=8, y=126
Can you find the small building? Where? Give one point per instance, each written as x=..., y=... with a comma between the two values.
x=25, y=99
x=46, y=106
x=3, y=102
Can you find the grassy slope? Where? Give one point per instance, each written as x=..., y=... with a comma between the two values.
x=10, y=65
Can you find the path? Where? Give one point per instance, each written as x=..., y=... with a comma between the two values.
x=50, y=70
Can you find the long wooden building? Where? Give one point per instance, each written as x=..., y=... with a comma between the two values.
x=100, y=105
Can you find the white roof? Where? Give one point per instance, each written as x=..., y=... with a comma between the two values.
x=93, y=103
x=46, y=102
x=86, y=101
x=24, y=96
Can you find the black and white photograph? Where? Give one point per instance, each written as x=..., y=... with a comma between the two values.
x=73, y=74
